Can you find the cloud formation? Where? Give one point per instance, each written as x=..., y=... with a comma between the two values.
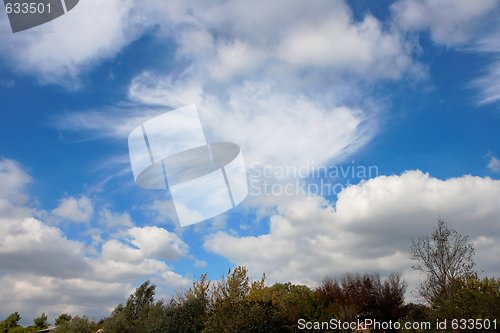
x=494, y=164
x=74, y=209
x=462, y=25
x=489, y=82
x=291, y=89
x=41, y=270
x=58, y=51
x=369, y=228
x=450, y=22
x=288, y=88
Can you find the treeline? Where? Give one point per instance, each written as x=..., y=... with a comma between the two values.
x=451, y=290
x=236, y=304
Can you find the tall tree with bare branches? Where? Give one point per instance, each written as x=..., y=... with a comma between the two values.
x=444, y=257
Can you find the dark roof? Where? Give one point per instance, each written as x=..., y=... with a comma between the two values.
x=46, y=330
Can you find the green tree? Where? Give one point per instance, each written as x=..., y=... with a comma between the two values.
x=63, y=318
x=41, y=322
x=187, y=316
x=18, y=329
x=227, y=303
x=473, y=298
x=188, y=313
x=139, y=305
x=231, y=308
x=140, y=313
x=76, y=325
x=286, y=303
x=415, y=313
x=116, y=322
x=444, y=257
x=10, y=323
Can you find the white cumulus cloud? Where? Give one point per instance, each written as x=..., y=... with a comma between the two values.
x=75, y=209
x=42, y=270
x=450, y=22
x=369, y=229
x=58, y=51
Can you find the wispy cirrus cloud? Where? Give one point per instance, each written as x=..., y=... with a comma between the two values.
x=467, y=26
x=294, y=92
x=290, y=89
x=489, y=82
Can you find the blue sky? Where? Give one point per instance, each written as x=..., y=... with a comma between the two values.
x=410, y=87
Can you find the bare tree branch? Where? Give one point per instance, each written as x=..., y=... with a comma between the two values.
x=443, y=257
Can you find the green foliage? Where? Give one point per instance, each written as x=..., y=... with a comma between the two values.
x=287, y=303
x=236, y=304
x=139, y=303
x=200, y=289
x=117, y=322
x=63, y=318
x=230, y=309
x=188, y=313
x=473, y=298
x=18, y=329
x=186, y=316
x=11, y=323
x=41, y=322
x=233, y=288
x=140, y=313
x=415, y=313
x=75, y=325
x=452, y=288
